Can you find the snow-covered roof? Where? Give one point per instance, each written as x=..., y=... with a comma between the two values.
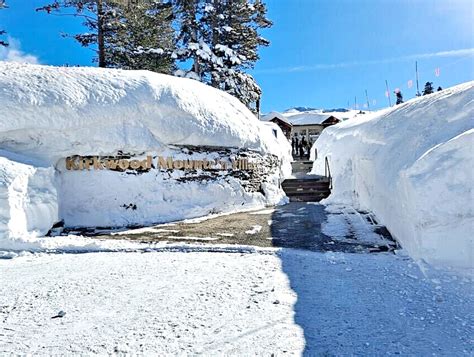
x=295, y=116
x=299, y=118
x=308, y=118
x=273, y=115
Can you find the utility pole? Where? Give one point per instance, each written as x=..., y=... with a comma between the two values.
x=388, y=94
x=367, y=99
x=417, y=85
x=355, y=102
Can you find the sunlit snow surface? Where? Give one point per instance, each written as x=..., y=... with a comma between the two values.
x=49, y=113
x=412, y=166
x=233, y=303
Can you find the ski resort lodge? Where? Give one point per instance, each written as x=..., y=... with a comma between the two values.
x=302, y=124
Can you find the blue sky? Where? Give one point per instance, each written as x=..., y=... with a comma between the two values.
x=323, y=53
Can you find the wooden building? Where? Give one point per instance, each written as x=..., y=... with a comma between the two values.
x=308, y=124
x=280, y=120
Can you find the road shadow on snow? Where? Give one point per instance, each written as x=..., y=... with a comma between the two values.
x=316, y=278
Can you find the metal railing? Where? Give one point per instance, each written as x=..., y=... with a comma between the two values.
x=327, y=171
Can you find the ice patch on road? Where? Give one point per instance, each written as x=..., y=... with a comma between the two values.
x=225, y=234
x=255, y=229
x=345, y=223
x=192, y=238
x=335, y=226
x=145, y=230
x=267, y=211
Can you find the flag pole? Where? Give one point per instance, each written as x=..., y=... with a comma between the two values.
x=417, y=86
x=388, y=94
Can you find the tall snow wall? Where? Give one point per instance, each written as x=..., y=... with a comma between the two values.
x=49, y=114
x=412, y=165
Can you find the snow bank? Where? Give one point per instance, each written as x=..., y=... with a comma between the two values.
x=105, y=198
x=412, y=165
x=51, y=113
x=28, y=198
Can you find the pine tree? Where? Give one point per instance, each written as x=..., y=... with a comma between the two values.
x=399, y=97
x=221, y=39
x=190, y=41
x=439, y=89
x=235, y=41
x=3, y=43
x=127, y=34
x=428, y=88
x=100, y=17
x=144, y=39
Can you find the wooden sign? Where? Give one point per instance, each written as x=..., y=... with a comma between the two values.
x=162, y=163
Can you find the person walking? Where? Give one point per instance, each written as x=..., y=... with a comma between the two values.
x=308, y=151
x=302, y=147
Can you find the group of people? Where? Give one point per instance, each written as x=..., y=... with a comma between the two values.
x=300, y=147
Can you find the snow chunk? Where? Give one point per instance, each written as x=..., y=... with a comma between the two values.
x=255, y=229
x=28, y=198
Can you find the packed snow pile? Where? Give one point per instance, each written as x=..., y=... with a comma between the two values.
x=412, y=165
x=28, y=197
x=50, y=113
x=205, y=152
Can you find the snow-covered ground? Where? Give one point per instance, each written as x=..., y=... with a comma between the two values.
x=411, y=165
x=264, y=303
x=50, y=113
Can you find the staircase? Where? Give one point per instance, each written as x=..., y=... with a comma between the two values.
x=307, y=188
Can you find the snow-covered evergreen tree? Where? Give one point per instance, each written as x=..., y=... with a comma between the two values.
x=190, y=39
x=235, y=41
x=3, y=43
x=428, y=88
x=101, y=17
x=221, y=39
x=125, y=34
x=144, y=39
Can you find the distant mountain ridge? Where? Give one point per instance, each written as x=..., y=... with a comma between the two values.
x=311, y=109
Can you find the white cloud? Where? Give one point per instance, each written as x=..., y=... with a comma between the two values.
x=452, y=53
x=13, y=53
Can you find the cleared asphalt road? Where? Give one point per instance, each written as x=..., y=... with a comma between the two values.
x=297, y=225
